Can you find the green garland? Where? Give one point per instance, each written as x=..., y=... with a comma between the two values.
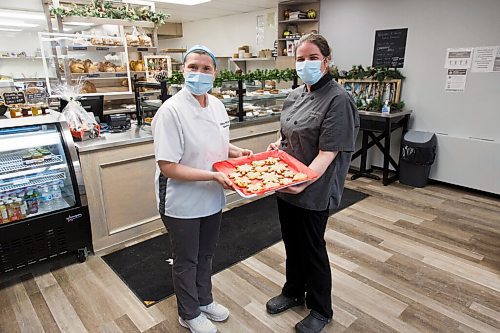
x=226, y=75
x=372, y=73
x=105, y=9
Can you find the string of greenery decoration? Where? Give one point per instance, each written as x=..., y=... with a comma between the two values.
x=257, y=75
x=372, y=73
x=105, y=9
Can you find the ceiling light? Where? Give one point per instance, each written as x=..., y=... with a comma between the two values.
x=22, y=15
x=8, y=29
x=8, y=23
x=87, y=24
x=183, y=2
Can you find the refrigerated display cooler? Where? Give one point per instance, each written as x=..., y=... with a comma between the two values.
x=43, y=206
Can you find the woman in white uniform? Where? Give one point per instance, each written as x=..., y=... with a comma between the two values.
x=191, y=133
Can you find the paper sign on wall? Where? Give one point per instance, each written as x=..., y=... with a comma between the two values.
x=455, y=79
x=457, y=58
x=484, y=59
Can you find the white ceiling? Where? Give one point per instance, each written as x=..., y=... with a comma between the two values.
x=179, y=13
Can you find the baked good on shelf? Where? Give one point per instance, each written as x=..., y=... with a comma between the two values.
x=108, y=41
x=96, y=41
x=88, y=88
x=274, y=91
x=145, y=40
x=120, y=69
x=76, y=67
x=132, y=40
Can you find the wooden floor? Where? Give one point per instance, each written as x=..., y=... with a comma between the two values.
x=403, y=260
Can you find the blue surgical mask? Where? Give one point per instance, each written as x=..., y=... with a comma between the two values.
x=309, y=71
x=198, y=83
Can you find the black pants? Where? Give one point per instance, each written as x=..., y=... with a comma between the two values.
x=307, y=265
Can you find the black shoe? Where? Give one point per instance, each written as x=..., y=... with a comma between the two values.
x=313, y=323
x=281, y=303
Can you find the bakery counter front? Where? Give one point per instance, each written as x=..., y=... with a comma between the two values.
x=118, y=171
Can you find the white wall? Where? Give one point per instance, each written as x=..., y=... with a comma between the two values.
x=432, y=26
x=225, y=34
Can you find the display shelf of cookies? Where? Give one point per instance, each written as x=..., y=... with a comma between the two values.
x=264, y=172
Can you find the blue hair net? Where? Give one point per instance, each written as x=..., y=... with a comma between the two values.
x=200, y=48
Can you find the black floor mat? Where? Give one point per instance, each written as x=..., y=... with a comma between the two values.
x=245, y=230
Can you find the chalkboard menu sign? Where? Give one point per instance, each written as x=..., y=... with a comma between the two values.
x=389, y=50
x=15, y=97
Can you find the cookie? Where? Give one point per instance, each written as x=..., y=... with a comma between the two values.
x=253, y=175
x=244, y=168
x=242, y=181
x=272, y=160
x=234, y=175
x=254, y=188
x=278, y=167
x=263, y=168
x=300, y=176
x=270, y=178
x=288, y=173
x=285, y=181
x=258, y=163
x=271, y=185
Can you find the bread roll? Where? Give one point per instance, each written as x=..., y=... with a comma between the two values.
x=77, y=67
x=88, y=88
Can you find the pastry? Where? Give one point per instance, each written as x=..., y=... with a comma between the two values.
x=272, y=160
x=278, y=167
x=263, y=168
x=244, y=168
x=145, y=40
x=92, y=68
x=253, y=175
x=120, y=69
x=300, y=176
x=132, y=40
x=234, y=175
x=258, y=163
x=254, y=188
x=285, y=181
x=96, y=41
x=139, y=66
x=288, y=174
x=242, y=181
x=270, y=178
x=270, y=185
x=88, y=88
x=77, y=67
x=108, y=41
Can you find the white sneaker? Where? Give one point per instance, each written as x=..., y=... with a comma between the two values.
x=214, y=311
x=199, y=324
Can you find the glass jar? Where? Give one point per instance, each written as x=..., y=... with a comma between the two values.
x=15, y=112
x=26, y=111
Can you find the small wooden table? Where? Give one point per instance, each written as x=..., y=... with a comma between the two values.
x=377, y=126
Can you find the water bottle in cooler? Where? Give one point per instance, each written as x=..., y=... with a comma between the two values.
x=57, y=200
x=46, y=196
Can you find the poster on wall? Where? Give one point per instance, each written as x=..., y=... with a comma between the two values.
x=259, y=40
x=389, y=49
x=496, y=65
x=484, y=58
x=458, y=58
x=455, y=79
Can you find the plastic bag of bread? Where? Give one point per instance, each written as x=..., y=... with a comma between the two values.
x=76, y=66
x=145, y=40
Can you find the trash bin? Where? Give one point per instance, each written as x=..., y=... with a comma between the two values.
x=418, y=151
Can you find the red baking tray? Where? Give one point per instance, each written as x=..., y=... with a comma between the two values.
x=229, y=165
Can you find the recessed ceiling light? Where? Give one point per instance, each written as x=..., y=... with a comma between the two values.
x=9, y=29
x=8, y=23
x=22, y=15
x=87, y=24
x=183, y=2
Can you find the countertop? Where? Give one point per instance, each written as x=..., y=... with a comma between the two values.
x=143, y=133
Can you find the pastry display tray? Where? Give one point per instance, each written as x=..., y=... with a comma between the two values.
x=228, y=166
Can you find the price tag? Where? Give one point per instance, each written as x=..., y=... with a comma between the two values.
x=93, y=75
x=15, y=97
x=101, y=48
x=143, y=49
x=80, y=48
x=121, y=74
x=226, y=96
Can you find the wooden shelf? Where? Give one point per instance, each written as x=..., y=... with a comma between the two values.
x=101, y=75
x=22, y=58
x=251, y=59
x=102, y=21
x=299, y=20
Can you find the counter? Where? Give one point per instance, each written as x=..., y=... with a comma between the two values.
x=118, y=171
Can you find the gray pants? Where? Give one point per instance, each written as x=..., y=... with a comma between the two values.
x=193, y=246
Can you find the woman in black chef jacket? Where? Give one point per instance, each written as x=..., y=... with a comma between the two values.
x=319, y=125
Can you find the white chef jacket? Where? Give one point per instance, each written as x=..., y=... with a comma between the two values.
x=190, y=135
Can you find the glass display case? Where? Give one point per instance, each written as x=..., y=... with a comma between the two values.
x=101, y=64
x=43, y=209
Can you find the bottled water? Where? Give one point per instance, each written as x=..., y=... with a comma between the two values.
x=57, y=200
x=46, y=196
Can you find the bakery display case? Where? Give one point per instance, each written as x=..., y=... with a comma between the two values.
x=43, y=207
x=99, y=63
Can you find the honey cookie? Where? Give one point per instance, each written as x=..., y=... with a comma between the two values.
x=278, y=167
x=261, y=168
x=234, y=174
x=258, y=163
x=288, y=173
x=254, y=188
x=272, y=160
x=244, y=168
x=271, y=185
x=253, y=175
x=285, y=181
x=270, y=178
x=300, y=176
x=242, y=181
